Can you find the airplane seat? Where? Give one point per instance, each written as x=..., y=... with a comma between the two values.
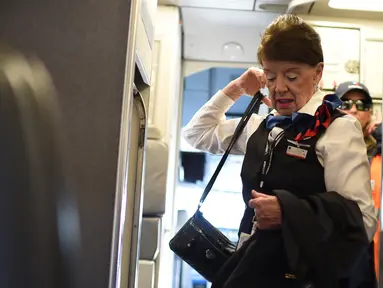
x=156, y=165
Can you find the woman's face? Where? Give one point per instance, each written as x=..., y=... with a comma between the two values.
x=364, y=117
x=291, y=85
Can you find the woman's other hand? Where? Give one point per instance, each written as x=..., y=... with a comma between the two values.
x=268, y=210
x=249, y=83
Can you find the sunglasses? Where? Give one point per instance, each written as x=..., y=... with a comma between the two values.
x=360, y=105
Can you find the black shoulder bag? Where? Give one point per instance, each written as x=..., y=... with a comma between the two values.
x=198, y=242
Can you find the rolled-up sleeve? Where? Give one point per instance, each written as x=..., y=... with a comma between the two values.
x=346, y=167
x=210, y=131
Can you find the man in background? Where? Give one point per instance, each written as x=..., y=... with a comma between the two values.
x=357, y=101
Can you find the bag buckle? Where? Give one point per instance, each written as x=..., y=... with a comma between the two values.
x=290, y=276
x=209, y=254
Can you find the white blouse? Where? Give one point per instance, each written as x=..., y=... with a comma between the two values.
x=341, y=149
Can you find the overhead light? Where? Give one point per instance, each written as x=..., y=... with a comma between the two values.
x=366, y=5
x=232, y=50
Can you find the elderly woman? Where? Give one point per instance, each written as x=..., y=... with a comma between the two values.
x=305, y=172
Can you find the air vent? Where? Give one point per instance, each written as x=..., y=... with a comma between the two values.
x=278, y=8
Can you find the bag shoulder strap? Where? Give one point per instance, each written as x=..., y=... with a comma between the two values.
x=252, y=108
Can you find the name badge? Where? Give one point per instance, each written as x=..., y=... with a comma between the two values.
x=296, y=152
x=242, y=239
x=372, y=185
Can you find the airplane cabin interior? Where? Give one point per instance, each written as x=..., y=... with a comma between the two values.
x=96, y=177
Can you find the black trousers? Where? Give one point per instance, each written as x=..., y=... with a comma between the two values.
x=251, y=267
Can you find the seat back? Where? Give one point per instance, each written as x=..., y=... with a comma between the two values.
x=156, y=166
x=155, y=174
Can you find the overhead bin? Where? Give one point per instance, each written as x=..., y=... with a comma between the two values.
x=145, y=38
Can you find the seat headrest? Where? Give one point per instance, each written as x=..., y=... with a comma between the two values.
x=154, y=133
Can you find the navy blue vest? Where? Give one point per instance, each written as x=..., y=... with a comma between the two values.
x=286, y=172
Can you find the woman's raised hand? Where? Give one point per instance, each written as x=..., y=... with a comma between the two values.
x=249, y=83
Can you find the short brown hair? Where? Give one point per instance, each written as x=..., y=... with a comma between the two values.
x=290, y=38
